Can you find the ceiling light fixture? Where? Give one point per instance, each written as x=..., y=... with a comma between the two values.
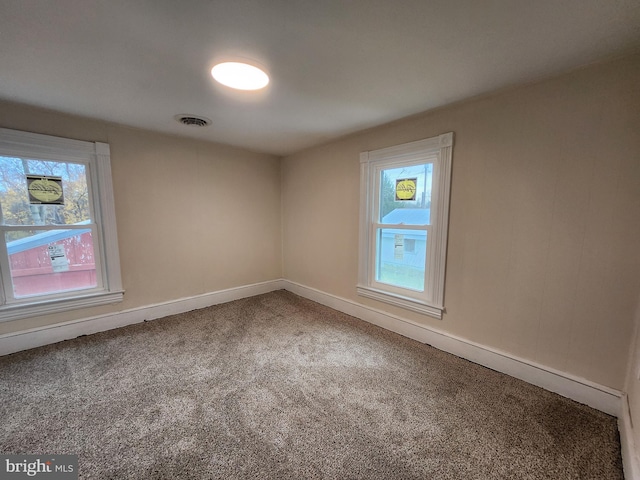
x=240, y=76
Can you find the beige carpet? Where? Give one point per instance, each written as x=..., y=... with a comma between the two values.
x=279, y=387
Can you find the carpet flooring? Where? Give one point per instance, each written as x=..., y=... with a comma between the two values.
x=279, y=387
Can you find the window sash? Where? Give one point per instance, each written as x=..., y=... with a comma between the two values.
x=5, y=266
x=376, y=186
x=373, y=260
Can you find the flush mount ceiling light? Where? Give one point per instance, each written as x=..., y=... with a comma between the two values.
x=240, y=76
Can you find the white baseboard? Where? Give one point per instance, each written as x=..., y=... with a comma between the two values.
x=23, y=340
x=581, y=390
x=629, y=456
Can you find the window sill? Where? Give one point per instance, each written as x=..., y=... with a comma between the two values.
x=400, y=301
x=49, y=307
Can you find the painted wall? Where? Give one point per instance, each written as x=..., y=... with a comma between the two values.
x=543, y=255
x=193, y=217
x=632, y=389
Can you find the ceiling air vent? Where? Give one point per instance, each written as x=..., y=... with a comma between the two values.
x=193, y=120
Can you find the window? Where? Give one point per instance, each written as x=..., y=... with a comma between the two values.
x=404, y=213
x=58, y=241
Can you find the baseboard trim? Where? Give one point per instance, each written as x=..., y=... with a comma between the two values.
x=37, y=337
x=628, y=449
x=579, y=389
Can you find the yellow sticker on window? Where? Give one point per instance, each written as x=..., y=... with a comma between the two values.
x=45, y=190
x=406, y=189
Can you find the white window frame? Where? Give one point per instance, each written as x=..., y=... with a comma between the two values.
x=437, y=150
x=97, y=158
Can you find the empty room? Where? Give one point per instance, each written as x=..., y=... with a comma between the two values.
x=354, y=239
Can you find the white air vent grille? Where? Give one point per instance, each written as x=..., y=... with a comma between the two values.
x=193, y=120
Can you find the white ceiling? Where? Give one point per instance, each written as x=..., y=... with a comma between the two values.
x=336, y=66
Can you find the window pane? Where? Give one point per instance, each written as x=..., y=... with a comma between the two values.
x=405, y=195
x=401, y=257
x=15, y=200
x=52, y=261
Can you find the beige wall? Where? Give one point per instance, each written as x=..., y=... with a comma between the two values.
x=193, y=217
x=632, y=386
x=543, y=255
